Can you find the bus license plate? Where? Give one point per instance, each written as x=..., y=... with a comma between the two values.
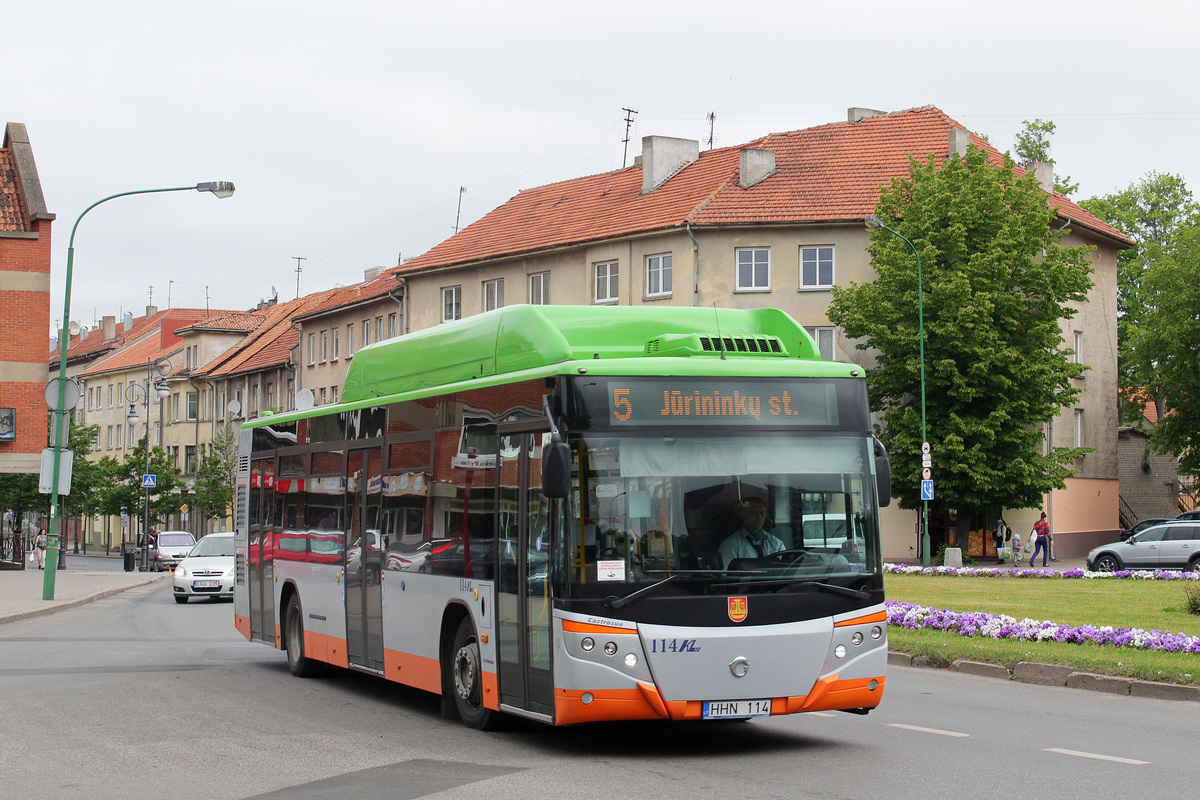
x=205, y=584
x=736, y=709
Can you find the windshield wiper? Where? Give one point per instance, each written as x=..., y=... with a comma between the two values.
x=857, y=594
x=613, y=601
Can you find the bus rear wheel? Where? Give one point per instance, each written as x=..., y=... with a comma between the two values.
x=466, y=672
x=300, y=665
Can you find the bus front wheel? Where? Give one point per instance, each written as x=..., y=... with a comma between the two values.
x=300, y=665
x=467, y=673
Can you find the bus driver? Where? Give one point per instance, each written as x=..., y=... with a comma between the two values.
x=750, y=541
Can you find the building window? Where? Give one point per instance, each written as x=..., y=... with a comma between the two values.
x=1078, y=357
x=334, y=334
x=312, y=349
x=189, y=459
x=291, y=395
x=110, y=395
x=193, y=405
x=392, y=325
x=451, y=303
x=322, y=395
x=324, y=346
x=816, y=267
x=333, y=393
x=539, y=289
x=120, y=441
x=824, y=339
x=379, y=329
x=349, y=339
x=366, y=332
x=658, y=275
x=753, y=269
x=493, y=294
x=606, y=283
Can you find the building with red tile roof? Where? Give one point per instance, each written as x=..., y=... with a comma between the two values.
x=25, y=226
x=777, y=221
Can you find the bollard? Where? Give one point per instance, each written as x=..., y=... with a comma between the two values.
x=953, y=557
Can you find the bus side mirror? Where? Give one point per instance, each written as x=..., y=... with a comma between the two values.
x=556, y=469
x=883, y=474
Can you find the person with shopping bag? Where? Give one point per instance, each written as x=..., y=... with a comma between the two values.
x=39, y=546
x=1041, y=540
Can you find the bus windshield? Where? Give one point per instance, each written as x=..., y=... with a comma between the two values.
x=724, y=513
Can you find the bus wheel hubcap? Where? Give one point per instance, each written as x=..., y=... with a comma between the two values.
x=466, y=665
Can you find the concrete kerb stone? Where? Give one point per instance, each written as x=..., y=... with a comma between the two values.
x=1057, y=675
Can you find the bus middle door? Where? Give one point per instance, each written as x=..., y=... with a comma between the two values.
x=365, y=549
x=522, y=578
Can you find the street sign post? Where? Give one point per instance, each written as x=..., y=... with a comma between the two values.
x=926, y=490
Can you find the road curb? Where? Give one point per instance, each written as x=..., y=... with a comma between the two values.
x=1055, y=675
x=56, y=606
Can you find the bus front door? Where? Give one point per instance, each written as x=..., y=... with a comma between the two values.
x=365, y=547
x=522, y=578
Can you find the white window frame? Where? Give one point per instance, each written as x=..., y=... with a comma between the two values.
x=826, y=338
x=754, y=262
x=324, y=346
x=366, y=325
x=451, y=303
x=539, y=289
x=1078, y=356
x=815, y=255
x=334, y=332
x=312, y=348
x=349, y=339
x=659, y=280
x=493, y=294
x=1079, y=437
x=606, y=281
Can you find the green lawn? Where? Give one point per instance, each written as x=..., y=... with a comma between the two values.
x=1150, y=605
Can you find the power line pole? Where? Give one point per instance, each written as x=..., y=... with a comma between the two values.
x=629, y=114
x=298, y=271
x=712, y=119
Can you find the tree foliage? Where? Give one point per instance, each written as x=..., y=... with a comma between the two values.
x=1033, y=146
x=1153, y=211
x=215, y=476
x=125, y=484
x=1167, y=342
x=996, y=285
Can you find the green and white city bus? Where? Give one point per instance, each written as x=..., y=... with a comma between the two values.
x=574, y=514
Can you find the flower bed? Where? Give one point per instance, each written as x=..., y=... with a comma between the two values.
x=1002, y=626
x=999, y=572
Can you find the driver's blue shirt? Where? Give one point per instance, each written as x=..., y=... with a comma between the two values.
x=744, y=544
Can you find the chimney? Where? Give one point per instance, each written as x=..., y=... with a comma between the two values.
x=754, y=166
x=663, y=156
x=151, y=311
x=1045, y=175
x=960, y=140
x=371, y=273
x=108, y=328
x=857, y=114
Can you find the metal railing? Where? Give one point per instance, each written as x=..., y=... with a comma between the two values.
x=12, y=550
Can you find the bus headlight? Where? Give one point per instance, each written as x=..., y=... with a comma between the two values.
x=610, y=648
x=630, y=660
x=588, y=643
x=840, y=651
x=857, y=638
x=876, y=632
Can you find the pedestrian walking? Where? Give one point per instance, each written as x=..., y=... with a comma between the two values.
x=1016, y=549
x=998, y=539
x=39, y=545
x=1041, y=540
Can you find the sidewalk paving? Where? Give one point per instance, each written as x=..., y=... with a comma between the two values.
x=21, y=590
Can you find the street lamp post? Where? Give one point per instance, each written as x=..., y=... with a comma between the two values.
x=221, y=189
x=873, y=221
x=156, y=376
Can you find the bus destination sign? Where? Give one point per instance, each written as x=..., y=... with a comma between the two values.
x=752, y=403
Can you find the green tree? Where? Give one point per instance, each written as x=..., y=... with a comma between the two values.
x=1033, y=145
x=125, y=484
x=215, y=476
x=996, y=285
x=1168, y=342
x=1153, y=211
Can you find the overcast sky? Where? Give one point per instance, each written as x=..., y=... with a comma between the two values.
x=349, y=127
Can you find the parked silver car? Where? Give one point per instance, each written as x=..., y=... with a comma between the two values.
x=207, y=571
x=1169, y=545
x=169, y=549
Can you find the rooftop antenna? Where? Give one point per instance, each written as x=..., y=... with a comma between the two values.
x=629, y=113
x=169, y=293
x=298, y=271
x=458, y=216
x=205, y=299
x=152, y=294
x=712, y=119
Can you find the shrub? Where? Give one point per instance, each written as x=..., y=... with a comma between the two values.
x=1193, y=599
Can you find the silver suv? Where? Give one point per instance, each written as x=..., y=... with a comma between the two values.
x=1168, y=545
x=169, y=549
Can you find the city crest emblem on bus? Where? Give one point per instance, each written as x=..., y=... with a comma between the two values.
x=738, y=608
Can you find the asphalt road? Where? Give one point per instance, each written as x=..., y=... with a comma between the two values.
x=136, y=697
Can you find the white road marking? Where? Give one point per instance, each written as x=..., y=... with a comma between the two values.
x=1096, y=756
x=927, y=730
x=820, y=714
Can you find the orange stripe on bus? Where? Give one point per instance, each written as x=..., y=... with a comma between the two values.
x=323, y=647
x=587, y=627
x=880, y=616
x=416, y=671
x=831, y=694
x=242, y=624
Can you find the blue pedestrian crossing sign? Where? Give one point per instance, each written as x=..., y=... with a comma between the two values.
x=149, y=481
x=926, y=490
